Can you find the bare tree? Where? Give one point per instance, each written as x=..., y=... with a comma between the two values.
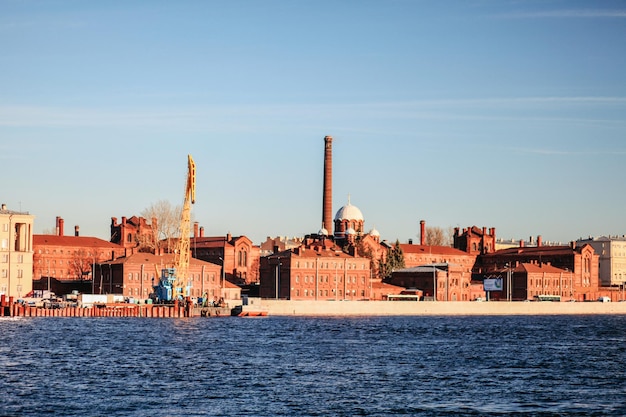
x=167, y=224
x=436, y=236
x=80, y=264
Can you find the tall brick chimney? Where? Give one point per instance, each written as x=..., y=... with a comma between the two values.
x=195, y=229
x=76, y=231
x=422, y=232
x=327, y=203
x=539, y=241
x=60, y=227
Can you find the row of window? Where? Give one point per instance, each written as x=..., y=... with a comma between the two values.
x=325, y=279
x=330, y=265
x=4, y=273
x=326, y=293
x=193, y=277
x=5, y=258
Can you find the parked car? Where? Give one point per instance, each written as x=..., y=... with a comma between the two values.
x=604, y=299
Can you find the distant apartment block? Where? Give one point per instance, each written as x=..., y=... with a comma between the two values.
x=612, y=253
x=16, y=252
x=64, y=263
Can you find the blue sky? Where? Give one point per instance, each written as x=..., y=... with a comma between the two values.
x=505, y=114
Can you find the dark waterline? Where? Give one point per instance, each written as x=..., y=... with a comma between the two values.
x=374, y=366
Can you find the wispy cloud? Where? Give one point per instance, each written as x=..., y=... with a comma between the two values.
x=250, y=117
x=565, y=152
x=564, y=14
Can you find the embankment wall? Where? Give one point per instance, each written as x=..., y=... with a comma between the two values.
x=433, y=308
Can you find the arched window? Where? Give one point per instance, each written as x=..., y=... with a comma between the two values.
x=129, y=238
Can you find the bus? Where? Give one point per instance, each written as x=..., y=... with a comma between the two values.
x=406, y=295
x=545, y=297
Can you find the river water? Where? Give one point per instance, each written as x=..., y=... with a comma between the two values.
x=306, y=366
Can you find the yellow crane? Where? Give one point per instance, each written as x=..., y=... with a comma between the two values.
x=174, y=281
x=182, y=253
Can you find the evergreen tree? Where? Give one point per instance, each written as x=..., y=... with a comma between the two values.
x=394, y=261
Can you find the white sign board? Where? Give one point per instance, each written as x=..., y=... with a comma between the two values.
x=492, y=284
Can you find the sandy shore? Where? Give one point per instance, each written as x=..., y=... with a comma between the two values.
x=430, y=308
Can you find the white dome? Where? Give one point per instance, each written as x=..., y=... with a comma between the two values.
x=349, y=212
x=323, y=232
x=374, y=232
x=350, y=231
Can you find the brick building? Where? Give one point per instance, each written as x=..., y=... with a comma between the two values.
x=135, y=275
x=16, y=252
x=68, y=260
x=581, y=262
x=475, y=241
x=316, y=270
x=135, y=232
x=239, y=256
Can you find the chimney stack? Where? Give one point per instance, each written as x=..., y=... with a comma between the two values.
x=61, y=225
x=422, y=232
x=202, y=231
x=195, y=229
x=76, y=228
x=327, y=203
x=539, y=241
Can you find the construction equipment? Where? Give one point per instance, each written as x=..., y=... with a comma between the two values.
x=174, y=283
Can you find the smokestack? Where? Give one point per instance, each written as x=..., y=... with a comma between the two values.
x=61, y=225
x=539, y=240
x=56, y=226
x=195, y=229
x=422, y=232
x=202, y=231
x=327, y=204
x=76, y=228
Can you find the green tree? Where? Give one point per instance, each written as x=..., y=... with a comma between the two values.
x=393, y=262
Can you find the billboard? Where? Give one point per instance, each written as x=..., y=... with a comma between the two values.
x=492, y=284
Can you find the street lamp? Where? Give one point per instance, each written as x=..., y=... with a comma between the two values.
x=278, y=265
x=434, y=284
x=509, y=292
x=223, y=273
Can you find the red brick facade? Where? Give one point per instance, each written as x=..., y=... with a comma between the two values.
x=135, y=275
x=317, y=270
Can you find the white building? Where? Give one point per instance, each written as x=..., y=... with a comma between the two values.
x=16, y=252
x=612, y=252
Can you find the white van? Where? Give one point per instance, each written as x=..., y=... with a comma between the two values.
x=604, y=299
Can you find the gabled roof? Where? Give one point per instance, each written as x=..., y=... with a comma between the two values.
x=435, y=250
x=538, y=251
x=149, y=258
x=539, y=268
x=384, y=285
x=73, y=241
x=425, y=268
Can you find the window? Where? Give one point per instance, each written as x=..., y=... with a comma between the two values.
x=20, y=273
x=4, y=274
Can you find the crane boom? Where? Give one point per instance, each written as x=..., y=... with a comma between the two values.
x=182, y=254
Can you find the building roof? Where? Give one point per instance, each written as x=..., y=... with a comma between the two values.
x=537, y=251
x=149, y=258
x=435, y=250
x=539, y=268
x=425, y=268
x=349, y=212
x=316, y=252
x=73, y=241
x=385, y=286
